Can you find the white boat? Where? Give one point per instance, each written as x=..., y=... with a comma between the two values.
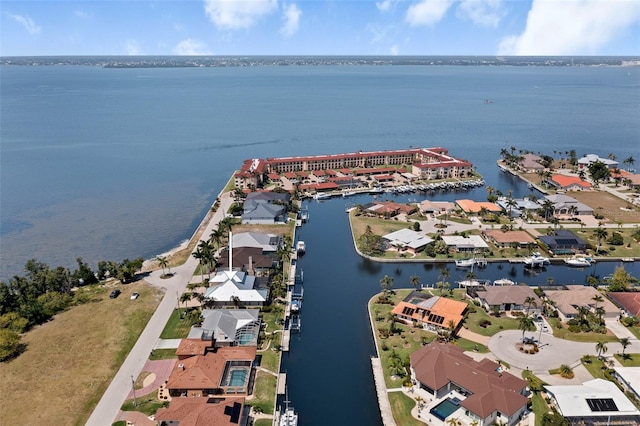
x=301, y=247
x=295, y=306
x=376, y=190
x=321, y=196
x=503, y=281
x=288, y=416
x=465, y=263
x=536, y=260
x=348, y=193
x=577, y=261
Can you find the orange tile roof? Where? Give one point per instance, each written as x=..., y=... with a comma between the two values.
x=200, y=411
x=565, y=181
x=191, y=347
x=440, y=311
x=470, y=206
x=205, y=371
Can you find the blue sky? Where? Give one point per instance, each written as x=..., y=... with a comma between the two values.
x=320, y=27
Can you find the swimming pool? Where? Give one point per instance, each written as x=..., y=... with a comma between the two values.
x=237, y=377
x=445, y=408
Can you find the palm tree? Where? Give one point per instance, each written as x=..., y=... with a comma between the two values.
x=162, y=260
x=597, y=298
x=386, y=284
x=548, y=208
x=583, y=312
x=624, y=341
x=207, y=254
x=600, y=233
x=511, y=203
x=199, y=254
x=600, y=313
x=415, y=281
x=601, y=347
x=530, y=301
x=186, y=296
x=525, y=323
x=566, y=371
x=444, y=274
x=216, y=237
x=629, y=162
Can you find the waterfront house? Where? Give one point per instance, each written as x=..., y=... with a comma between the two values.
x=407, y=240
x=269, y=243
x=520, y=206
x=228, y=327
x=251, y=174
x=235, y=288
x=569, y=183
x=568, y=299
x=563, y=241
x=433, y=313
x=505, y=298
x=470, y=243
x=519, y=239
x=265, y=207
x=628, y=301
x=204, y=411
x=565, y=205
x=436, y=207
x=597, y=402
x=474, y=390
x=389, y=209
x=251, y=260
x=587, y=160
x=531, y=163
x=224, y=371
x=475, y=207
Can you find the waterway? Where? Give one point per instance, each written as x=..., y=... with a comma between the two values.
x=329, y=374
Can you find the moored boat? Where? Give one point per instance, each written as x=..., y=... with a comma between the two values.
x=536, y=260
x=580, y=262
x=301, y=247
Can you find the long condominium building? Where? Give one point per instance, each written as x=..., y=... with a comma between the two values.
x=424, y=163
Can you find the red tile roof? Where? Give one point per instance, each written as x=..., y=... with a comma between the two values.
x=630, y=301
x=200, y=411
x=470, y=206
x=191, y=347
x=438, y=364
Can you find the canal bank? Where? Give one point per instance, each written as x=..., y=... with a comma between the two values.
x=332, y=354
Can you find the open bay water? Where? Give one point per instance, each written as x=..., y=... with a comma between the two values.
x=115, y=163
x=110, y=164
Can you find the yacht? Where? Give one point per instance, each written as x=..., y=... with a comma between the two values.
x=465, y=263
x=301, y=247
x=288, y=416
x=536, y=260
x=577, y=261
x=503, y=281
x=321, y=196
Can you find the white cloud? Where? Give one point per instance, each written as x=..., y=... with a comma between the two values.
x=394, y=50
x=132, y=48
x=191, y=47
x=482, y=12
x=384, y=5
x=571, y=27
x=427, y=12
x=234, y=14
x=27, y=23
x=291, y=17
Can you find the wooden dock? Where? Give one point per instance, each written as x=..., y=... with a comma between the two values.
x=286, y=338
x=282, y=383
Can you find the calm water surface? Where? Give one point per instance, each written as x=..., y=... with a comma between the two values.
x=116, y=163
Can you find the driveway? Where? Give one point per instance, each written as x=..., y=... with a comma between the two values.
x=553, y=352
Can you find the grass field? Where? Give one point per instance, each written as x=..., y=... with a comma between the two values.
x=70, y=360
x=608, y=205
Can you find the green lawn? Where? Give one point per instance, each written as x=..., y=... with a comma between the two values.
x=263, y=422
x=401, y=406
x=176, y=327
x=561, y=331
x=158, y=354
x=496, y=324
x=264, y=392
x=270, y=358
x=147, y=404
x=629, y=360
x=595, y=367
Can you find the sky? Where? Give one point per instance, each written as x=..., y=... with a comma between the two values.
x=320, y=27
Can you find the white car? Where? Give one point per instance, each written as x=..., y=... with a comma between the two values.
x=134, y=295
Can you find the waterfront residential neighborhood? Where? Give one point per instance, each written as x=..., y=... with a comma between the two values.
x=221, y=313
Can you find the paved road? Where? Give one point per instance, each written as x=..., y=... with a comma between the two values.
x=553, y=351
x=108, y=409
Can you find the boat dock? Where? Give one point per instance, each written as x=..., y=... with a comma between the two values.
x=282, y=383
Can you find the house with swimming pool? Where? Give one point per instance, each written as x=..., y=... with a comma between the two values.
x=223, y=371
x=432, y=313
x=462, y=388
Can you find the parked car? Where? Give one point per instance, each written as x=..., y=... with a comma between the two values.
x=135, y=295
x=114, y=293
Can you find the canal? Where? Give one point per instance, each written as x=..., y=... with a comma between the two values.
x=328, y=368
